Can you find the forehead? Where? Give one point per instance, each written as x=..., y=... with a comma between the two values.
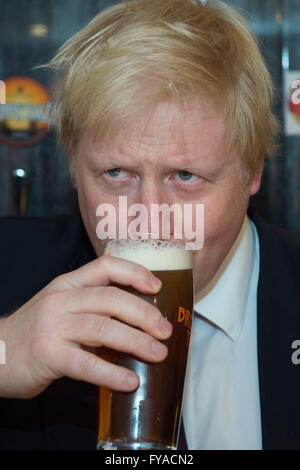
x=169, y=134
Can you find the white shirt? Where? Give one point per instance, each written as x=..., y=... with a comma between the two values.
x=221, y=406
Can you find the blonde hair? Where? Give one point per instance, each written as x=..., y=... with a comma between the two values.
x=181, y=48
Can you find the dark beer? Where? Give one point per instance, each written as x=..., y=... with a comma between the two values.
x=149, y=417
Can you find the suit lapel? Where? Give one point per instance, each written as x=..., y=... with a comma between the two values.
x=278, y=325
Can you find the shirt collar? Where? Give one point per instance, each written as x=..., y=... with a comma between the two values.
x=222, y=301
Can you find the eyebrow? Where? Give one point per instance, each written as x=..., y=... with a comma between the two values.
x=105, y=159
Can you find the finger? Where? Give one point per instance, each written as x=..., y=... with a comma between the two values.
x=92, y=330
x=106, y=270
x=112, y=301
x=83, y=365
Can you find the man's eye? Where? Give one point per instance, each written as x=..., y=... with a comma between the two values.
x=186, y=176
x=116, y=173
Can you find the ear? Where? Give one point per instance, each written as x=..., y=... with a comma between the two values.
x=255, y=181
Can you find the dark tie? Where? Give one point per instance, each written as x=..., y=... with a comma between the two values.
x=182, y=444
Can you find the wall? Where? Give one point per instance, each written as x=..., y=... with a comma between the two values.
x=50, y=191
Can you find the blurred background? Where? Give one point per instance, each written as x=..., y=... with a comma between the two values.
x=34, y=178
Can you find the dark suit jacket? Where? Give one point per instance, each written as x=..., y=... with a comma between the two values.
x=34, y=251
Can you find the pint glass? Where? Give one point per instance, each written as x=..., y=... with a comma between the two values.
x=149, y=417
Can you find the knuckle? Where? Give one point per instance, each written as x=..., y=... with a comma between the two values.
x=101, y=327
x=143, y=271
x=86, y=364
x=142, y=341
x=60, y=283
x=104, y=261
x=140, y=271
x=109, y=294
x=152, y=314
x=56, y=283
x=50, y=302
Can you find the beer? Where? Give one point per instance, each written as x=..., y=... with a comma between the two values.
x=148, y=418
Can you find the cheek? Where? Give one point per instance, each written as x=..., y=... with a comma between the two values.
x=88, y=199
x=224, y=214
x=89, y=195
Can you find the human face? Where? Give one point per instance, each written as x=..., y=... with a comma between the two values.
x=147, y=161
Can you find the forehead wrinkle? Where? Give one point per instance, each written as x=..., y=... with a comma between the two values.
x=152, y=151
x=168, y=137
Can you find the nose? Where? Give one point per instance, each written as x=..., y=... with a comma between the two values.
x=152, y=196
x=151, y=192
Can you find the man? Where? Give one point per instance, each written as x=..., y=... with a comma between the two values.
x=161, y=102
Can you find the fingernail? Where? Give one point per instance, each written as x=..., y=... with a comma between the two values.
x=132, y=380
x=159, y=349
x=155, y=282
x=165, y=326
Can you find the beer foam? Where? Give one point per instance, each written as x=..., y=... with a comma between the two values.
x=155, y=255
